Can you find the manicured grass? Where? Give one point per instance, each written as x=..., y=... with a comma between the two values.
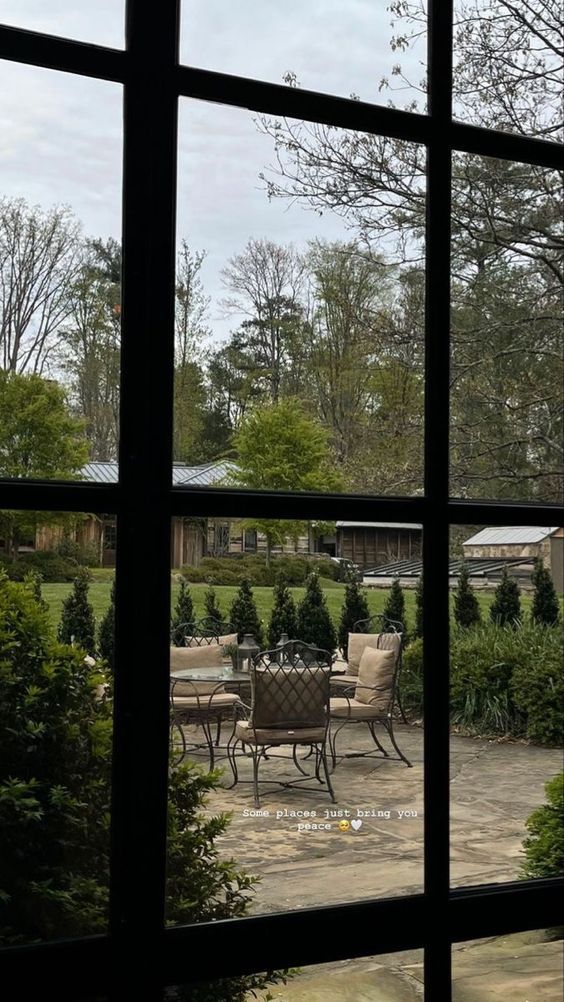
x=100, y=596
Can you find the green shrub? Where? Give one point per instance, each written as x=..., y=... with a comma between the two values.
x=466, y=608
x=538, y=683
x=211, y=606
x=545, y=602
x=232, y=569
x=283, y=618
x=244, y=616
x=77, y=617
x=183, y=613
x=55, y=748
x=355, y=608
x=394, y=608
x=83, y=554
x=51, y=566
x=107, y=631
x=411, y=679
x=544, y=846
x=315, y=625
x=418, y=630
x=505, y=609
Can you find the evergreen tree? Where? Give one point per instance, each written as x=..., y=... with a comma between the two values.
x=107, y=631
x=33, y=581
x=211, y=606
x=355, y=607
x=244, y=616
x=394, y=608
x=283, y=618
x=545, y=603
x=418, y=631
x=77, y=618
x=466, y=608
x=315, y=625
x=506, y=607
x=183, y=613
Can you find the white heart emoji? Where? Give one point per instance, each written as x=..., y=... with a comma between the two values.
x=356, y=824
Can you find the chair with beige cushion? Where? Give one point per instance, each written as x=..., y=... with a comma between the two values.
x=377, y=631
x=197, y=702
x=290, y=689
x=368, y=699
x=202, y=632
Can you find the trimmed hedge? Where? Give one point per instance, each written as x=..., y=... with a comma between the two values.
x=52, y=567
x=502, y=680
x=232, y=570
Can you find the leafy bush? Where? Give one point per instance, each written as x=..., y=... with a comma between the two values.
x=544, y=846
x=55, y=747
x=545, y=602
x=418, y=629
x=502, y=680
x=231, y=570
x=52, y=567
x=107, y=631
x=83, y=554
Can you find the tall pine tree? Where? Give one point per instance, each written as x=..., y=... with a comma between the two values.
x=283, y=618
x=355, y=608
x=183, y=614
x=211, y=607
x=545, y=603
x=77, y=618
x=315, y=625
x=243, y=616
x=466, y=608
x=506, y=607
x=394, y=608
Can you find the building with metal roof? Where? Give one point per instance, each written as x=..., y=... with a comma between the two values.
x=511, y=535
x=205, y=475
x=521, y=542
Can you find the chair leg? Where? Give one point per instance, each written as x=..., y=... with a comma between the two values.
x=256, y=760
x=400, y=704
x=209, y=741
x=218, y=730
x=390, y=729
x=232, y=758
x=295, y=758
x=380, y=747
x=323, y=756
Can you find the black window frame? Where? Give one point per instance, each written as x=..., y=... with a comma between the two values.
x=139, y=955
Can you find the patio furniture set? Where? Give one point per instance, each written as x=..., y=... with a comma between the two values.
x=295, y=696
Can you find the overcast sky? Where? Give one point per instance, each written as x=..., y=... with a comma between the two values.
x=61, y=135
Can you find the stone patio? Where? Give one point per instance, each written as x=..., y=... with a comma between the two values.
x=494, y=787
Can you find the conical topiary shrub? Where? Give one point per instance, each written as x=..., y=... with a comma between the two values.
x=545, y=603
x=466, y=608
x=243, y=616
x=505, y=609
x=107, y=631
x=77, y=618
x=418, y=631
x=283, y=618
x=355, y=607
x=211, y=607
x=315, y=625
x=183, y=613
x=33, y=581
x=394, y=608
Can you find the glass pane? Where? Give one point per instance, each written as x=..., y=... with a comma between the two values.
x=507, y=378
x=388, y=977
x=526, y=965
x=98, y=21
x=299, y=361
x=330, y=628
x=506, y=699
x=56, y=685
x=365, y=50
x=508, y=65
x=60, y=261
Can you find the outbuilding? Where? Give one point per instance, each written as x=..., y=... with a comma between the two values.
x=513, y=541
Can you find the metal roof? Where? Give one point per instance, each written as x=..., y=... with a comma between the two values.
x=205, y=475
x=479, y=567
x=508, y=534
x=378, y=525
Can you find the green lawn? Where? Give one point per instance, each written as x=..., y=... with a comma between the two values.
x=100, y=596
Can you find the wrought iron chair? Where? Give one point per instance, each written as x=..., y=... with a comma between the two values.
x=388, y=630
x=202, y=704
x=199, y=632
x=290, y=689
x=369, y=698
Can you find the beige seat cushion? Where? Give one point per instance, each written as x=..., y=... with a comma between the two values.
x=244, y=732
x=352, y=709
x=344, y=681
x=357, y=643
x=209, y=656
x=219, y=701
x=376, y=678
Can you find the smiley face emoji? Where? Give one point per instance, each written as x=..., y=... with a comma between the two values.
x=344, y=825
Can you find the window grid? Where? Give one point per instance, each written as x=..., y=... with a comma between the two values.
x=139, y=955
